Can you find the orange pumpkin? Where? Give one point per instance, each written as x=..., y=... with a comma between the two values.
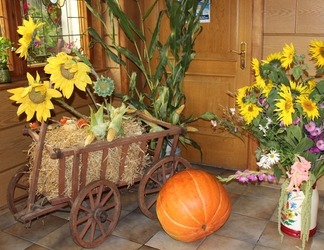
x=191, y=205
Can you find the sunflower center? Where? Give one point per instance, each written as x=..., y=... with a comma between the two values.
x=66, y=73
x=307, y=106
x=37, y=97
x=321, y=51
x=287, y=105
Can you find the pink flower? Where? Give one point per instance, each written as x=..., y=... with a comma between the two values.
x=316, y=131
x=252, y=177
x=298, y=173
x=271, y=177
x=310, y=126
x=320, y=145
x=261, y=176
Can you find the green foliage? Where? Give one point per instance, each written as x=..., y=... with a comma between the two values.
x=5, y=46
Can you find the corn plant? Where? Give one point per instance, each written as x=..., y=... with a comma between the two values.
x=162, y=97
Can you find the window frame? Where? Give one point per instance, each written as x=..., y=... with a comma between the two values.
x=12, y=17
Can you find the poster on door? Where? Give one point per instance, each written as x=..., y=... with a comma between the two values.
x=205, y=15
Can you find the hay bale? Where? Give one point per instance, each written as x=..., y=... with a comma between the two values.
x=71, y=136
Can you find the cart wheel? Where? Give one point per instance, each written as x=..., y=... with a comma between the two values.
x=95, y=213
x=153, y=180
x=17, y=192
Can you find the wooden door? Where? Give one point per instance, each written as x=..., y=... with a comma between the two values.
x=215, y=71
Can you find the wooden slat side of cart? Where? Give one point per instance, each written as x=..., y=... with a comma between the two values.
x=157, y=174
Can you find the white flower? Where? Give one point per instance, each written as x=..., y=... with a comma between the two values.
x=263, y=129
x=213, y=124
x=269, y=121
x=273, y=157
x=268, y=160
x=232, y=111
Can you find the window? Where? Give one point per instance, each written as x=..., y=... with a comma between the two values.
x=66, y=22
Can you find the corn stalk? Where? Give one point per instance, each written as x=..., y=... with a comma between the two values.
x=164, y=97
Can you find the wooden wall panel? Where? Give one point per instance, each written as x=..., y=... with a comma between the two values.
x=279, y=16
x=309, y=16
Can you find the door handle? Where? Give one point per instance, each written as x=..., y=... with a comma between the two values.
x=242, y=55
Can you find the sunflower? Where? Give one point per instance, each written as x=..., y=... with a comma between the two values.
x=316, y=49
x=288, y=55
x=309, y=107
x=311, y=84
x=28, y=32
x=66, y=72
x=268, y=87
x=298, y=89
x=258, y=77
x=35, y=98
x=285, y=106
x=241, y=95
x=250, y=111
x=273, y=59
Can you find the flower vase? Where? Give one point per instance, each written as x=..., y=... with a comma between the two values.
x=291, y=218
x=4, y=73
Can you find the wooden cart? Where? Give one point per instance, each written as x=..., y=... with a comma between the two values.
x=94, y=208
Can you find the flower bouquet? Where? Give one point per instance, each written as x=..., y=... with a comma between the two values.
x=284, y=111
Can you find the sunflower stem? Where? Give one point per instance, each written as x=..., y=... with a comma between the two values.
x=92, y=97
x=74, y=111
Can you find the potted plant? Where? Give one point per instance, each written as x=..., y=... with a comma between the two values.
x=162, y=95
x=5, y=46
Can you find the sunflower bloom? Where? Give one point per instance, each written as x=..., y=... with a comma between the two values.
x=309, y=107
x=268, y=87
x=298, y=89
x=241, y=96
x=287, y=55
x=258, y=77
x=273, y=59
x=28, y=32
x=250, y=111
x=36, y=98
x=67, y=72
x=285, y=106
x=316, y=49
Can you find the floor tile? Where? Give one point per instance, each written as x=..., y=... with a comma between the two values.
x=163, y=241
x=6, y=220
x=39, y=228
x=318, y=241
x=271, y=238
x=117, y=243
x=258, y=208
x=136, y=227
x=10, y=242
x=59, y=239
x=215, y=241
x=262, y=192
x=36, y=247
x=236, y=227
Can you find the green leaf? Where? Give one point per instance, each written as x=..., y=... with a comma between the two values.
x=303, y=145
x=294, y=132
x=297, y=72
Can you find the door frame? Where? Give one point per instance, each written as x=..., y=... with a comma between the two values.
x=257, y=46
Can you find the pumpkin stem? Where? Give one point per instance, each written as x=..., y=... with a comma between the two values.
x=204, y=227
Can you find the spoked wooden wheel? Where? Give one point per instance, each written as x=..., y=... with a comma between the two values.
x=95, y=213
x=154, y=179
x=18, y=188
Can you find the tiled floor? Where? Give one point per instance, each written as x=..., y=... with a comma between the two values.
x=252, y=225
